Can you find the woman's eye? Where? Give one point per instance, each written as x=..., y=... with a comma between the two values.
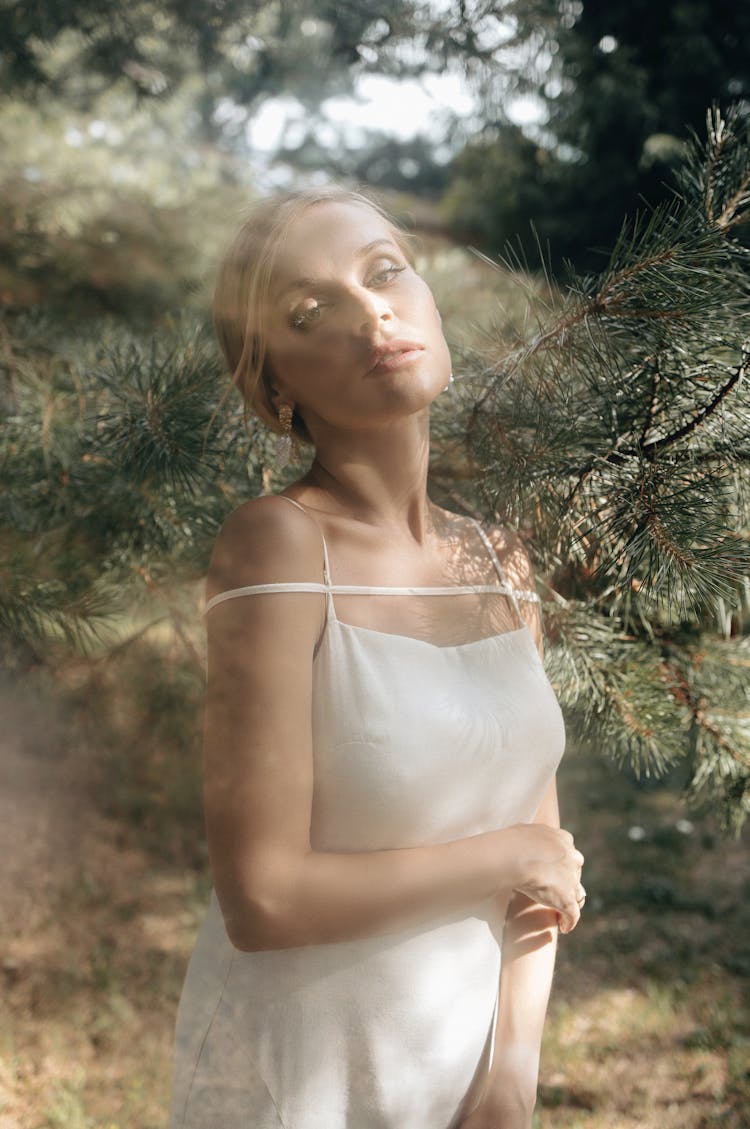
x=305, y=316
x=385, y=274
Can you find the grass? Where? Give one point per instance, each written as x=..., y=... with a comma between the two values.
x=648, y=1026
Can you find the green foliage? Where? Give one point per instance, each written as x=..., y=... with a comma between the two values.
x=242, y=51
x=102, y=220
x=497, y=187
x=379, y=161
x=117, y=455
x=157, y=415
x=718, y=684
x=616, y=431
x=125, y=260
x=615, y=687
x=118, y=470
x=612, y=421
x=617, y=85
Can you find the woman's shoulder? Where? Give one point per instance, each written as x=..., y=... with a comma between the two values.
x=265, y=540
x=513, y=555
x=508, y=546
x=515, y=565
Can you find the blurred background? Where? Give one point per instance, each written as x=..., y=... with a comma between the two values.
x=133, y=138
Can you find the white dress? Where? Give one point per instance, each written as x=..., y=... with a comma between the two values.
x=413, y=743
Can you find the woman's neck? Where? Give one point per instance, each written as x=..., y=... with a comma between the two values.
x=378, y=476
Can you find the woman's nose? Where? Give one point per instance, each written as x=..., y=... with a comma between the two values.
x=372, y=310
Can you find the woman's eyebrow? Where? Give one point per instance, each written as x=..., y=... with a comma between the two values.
x=311, y=283
x=364, y=251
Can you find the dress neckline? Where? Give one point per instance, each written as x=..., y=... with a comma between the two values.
x=334, y=621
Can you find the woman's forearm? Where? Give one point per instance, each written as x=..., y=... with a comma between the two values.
x=332, y=896
x=510, y=1089
x=529, y=947
x=283, y=899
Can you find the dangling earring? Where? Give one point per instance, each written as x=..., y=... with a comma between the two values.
x=284, y=440
x=451, y=378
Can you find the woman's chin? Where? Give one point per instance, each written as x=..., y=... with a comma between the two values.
x=413, y=391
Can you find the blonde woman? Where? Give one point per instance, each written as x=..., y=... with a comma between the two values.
x=381, y=739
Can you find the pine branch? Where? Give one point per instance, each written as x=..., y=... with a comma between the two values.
x=716, y=680
x=629, y=371
x=649, y=450
x=81, y=501
x=40, y=613
x=157, y=412
x=725, y=189
x=616, y=432
x=616, y=689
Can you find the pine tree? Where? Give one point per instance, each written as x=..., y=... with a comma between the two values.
x=616, y=432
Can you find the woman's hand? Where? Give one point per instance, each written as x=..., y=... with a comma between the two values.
x=548, y=870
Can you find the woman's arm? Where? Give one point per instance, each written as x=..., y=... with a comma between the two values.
x=529, y=945
x=274, y=890
x=529, y=948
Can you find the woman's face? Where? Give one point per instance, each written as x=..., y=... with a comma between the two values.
x=353, y=335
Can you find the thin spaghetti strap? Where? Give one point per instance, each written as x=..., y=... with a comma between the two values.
x=291, y=586
x=490, y=551
x=507, y=587
x=330, y=606
x=326, y=565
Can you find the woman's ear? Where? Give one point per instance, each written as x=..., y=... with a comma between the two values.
x=275, y=397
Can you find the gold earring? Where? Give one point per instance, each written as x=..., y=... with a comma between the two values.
x=284, y=440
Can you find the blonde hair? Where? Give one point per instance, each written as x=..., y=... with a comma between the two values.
x=243, y=283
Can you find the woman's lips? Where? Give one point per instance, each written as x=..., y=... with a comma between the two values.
x=393, y=356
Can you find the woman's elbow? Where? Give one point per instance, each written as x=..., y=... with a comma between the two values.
x=250, y=930
x=263, y=917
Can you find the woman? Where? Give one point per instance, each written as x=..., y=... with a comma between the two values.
x=381, y=740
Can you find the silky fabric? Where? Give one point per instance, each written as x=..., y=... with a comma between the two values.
x=413, y=743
